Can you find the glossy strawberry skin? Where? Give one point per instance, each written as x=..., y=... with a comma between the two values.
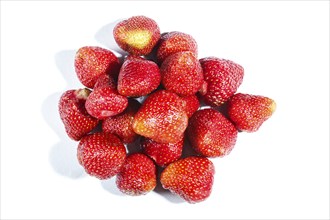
x=138, y=77
x=162, y=154
x=221, y=80
x=161, y=117
x=137, y=176
x=190, y=178
x=211, y=134
x=101, y=154
x=249, y=112
x=121, y=124
x=76, y=120
x=174, y=42
x=92, y=62
x=182, y=73
x=137, y=35
x=105, y=102
x=191, y=104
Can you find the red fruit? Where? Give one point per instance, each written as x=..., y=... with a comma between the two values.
x=190, y=178
x=105, y=81
x=191, y=104
x=121, y=124
x=161, y=118
x=211, y=134
x=174, y=42
x=92, y=62
x=105, y=102
x=76, y=120
x=137, y=176
x=162, y=154
x=222, y=79
x=138, y=77
x=182, y=73
x=249, y=112
x=101, y=154
x=137, y=35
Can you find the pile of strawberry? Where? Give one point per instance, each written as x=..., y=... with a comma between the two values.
x=165, y=71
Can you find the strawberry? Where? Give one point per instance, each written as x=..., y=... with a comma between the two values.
x=222, y=79
x=182, y=73
x=162, y=154
x=211, y=134
x=121, y=124
x=137, y=176
x=161, y=117
x=249, y=112
x=190, y=178
x=105, y=102
x=92, y=62
x=76, y=120
x=138, y=77
x=101, y=154
x=105, y=81
x=191, y=104
x=174, y=42
x=137, y=35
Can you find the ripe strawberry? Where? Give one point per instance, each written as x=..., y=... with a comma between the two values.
x=182, y=73
x=249, y=112
x=211, y=134
x=105, y=102
x=137, y=176
x=161, y=118
x=76, y=120
x=92, y=62
x=174, y=42
x=121, y=124
x=138, y=77
x=162, y=154
x=190, y=178
x=101, y=154
x=191, y=104
x=105, y=81
x=222, y=79
x=137, y=35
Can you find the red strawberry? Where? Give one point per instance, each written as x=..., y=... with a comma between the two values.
x=161, y=118
x=101, y=154
x=121, y=124
x=222, y=78
x=73, y=113
x=190, y=178
x=191, y=104
x=182, y=73
x=249, y=112
x=211, y=134
x=105, y=102
x=105, y=81
x=162, y=154
x=174, y=42
x=92, y=62
x=137, y=176
x=137, y=35
x=138, y=77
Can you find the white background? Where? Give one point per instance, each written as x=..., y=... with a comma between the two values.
x=281, y=171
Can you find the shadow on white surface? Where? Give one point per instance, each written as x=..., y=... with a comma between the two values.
x=110, y=186
x=62, y=156
x=64, y=61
